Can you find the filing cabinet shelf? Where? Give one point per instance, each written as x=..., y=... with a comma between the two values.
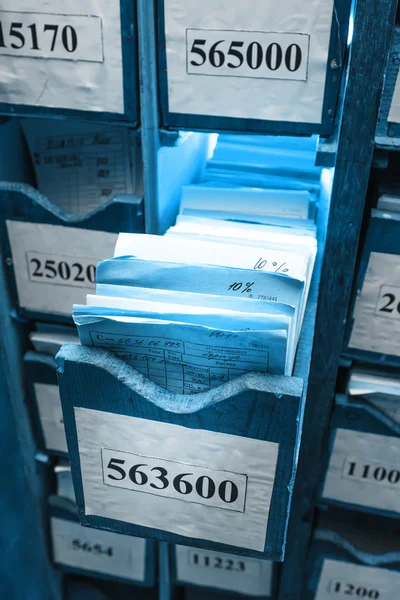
x=270, y=409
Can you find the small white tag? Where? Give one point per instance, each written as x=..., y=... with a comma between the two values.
x=97, y=550
x=364, y=469
x=205, y=485
x=344, y=580
x=251, y=54
x=51, y=36
x=230, y=572
x=376, y=325
x=55, y=266
x=51, y=418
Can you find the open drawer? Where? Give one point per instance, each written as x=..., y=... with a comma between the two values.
x=213, y=470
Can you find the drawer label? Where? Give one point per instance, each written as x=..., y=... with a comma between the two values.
x=248, y=60
x=223, y=571
x=376, y=326
x=51, y=417
x=55, y=266
x=171, y=479
x=40, y=38
x=98, y=551
x=251, y=54
x=191, y=482
x=51, y=36
x=364, y=470
x=62, y=270
x=345, y=580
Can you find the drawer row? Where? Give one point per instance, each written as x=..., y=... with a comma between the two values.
x=246, y=70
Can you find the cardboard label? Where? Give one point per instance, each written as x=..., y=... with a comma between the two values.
x=97, y=550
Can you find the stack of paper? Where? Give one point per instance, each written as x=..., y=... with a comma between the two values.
x=380, y=388
x=213, y=298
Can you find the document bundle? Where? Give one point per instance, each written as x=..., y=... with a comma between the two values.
x=222, y=293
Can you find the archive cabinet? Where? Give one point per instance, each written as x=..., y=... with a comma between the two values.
x=250, y=68
x=75, y=60
x=362, y=471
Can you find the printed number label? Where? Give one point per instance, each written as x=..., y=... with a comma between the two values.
x=260, y=55
x=61, y=270
x=95, y=549
x=371, y=472
x=170, y=479
x=222, y=562
x=45, y=35
x=349, y=589
x=388, y=304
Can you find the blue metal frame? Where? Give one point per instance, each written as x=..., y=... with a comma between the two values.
x=130, y=82
x=336, y=57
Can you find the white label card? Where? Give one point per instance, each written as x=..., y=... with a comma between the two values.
x=253, y=54
x=55, y=266
x=190, y=482
x=62, y=54
x=344, y=580
x=51, y=36
x=220, y=570
x=98, y=551
x=364, y=469
x=376, y=325
x=257, y=59
x=51, y=417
